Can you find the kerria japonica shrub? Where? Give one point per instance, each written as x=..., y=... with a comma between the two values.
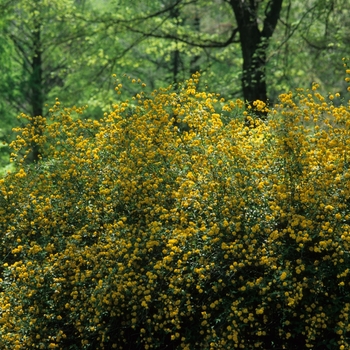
x=171, y=224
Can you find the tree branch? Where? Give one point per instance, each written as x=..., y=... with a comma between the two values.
x=20, y=49
x=314, y=46
x=294, y=28
x=272, y=14
x=137, y=19
x=205, y=43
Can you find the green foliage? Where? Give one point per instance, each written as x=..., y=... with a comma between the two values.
x=84, y=42
x=132, y=233
x=320, y=28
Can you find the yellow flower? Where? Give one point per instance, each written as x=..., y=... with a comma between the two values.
x=283, y=276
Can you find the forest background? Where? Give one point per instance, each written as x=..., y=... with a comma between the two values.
x=70, y=49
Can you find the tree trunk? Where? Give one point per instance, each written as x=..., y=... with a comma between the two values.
x=36, y=88
x=176, y=59
x=254, y=44
x=194, y=64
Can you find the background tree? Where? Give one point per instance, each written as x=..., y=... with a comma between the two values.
x=164, y=36
x=41, y=38
x=77, y=46
x=318, y=27
x=245, y=21
x=254, y=43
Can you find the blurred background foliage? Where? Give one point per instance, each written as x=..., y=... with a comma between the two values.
x=70, y=49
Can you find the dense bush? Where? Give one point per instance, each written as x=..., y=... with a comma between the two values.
x=179, y=221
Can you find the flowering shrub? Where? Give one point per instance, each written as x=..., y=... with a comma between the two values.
x=169, y=223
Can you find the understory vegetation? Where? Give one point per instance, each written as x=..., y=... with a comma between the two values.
x=179, y=220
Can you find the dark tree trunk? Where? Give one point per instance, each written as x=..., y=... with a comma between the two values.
x=194, y=65
x=36, y=88
x=176, y=59
x=254, y=43
x=176, y=65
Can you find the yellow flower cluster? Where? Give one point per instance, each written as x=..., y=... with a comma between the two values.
x=166, y=224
